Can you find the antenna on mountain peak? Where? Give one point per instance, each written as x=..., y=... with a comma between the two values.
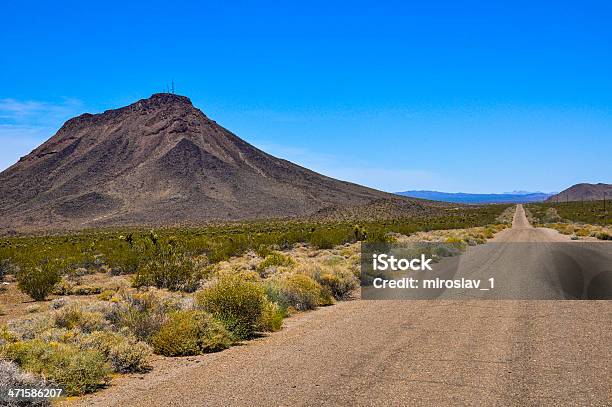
x=173, y=86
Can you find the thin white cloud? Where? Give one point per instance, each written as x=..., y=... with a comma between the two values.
x=37, y=113
x=26, y=124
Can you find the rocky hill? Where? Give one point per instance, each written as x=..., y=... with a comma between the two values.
x=161, y=161
x=586, y=192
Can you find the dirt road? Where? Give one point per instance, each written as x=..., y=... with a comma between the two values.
x=417, y=353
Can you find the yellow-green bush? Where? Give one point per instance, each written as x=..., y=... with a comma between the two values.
x=190, y=333
x=169, y=269
x=57, y=335
x=6, y=336
x=5, y=268
x=272, y=317
x=124, y=352
x=239, y=304
x=275, y=259
x=128, y=357
x=299, y=291
x=142, y=314
x=77, y=371
x=38, y=280
x=106, y=295
x=73, y=317
x=341, y=282
x=30, y=326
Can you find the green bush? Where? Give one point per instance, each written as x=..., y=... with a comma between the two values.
x=6, y=336
x=604, y=236
x=5, y=268
x=176, y=272
x=239, y=304
x=106, y=295
x=128, y=357
x=31, y=326
x=124, y=257
x=341, y=282
x=77, y=371
x=38, y=280
x=57, y=335
x=299, y=291
x=323, y=239
x=190, y=333
x=275, y=259
x=72, y=317
x=263, y=250
x=124, y=352
x=272, y=317
x=142, y=314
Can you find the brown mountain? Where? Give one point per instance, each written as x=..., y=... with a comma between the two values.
x=161, y=161
x=586, y=192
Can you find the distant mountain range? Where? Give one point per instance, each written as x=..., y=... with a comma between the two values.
x=465, y=198
x=586, y=192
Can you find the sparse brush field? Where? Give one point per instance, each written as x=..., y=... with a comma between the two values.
x=579, y=219
x=591, y=212
x=77, y=309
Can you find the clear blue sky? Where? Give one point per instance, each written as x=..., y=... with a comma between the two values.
x=470, y=96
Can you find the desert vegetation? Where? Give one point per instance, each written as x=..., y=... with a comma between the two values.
x=588, y=219
x=109, y=302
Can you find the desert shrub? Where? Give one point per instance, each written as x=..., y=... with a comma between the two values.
x=86, y=290
x=239, y=304
x=142, y=314
x=130, y=357
x=321, y=239
x=275, y=259
x=299, y=291
x=63, y=287
x=603, y=236
x=12, y=377
x=59, y=303
x=101, y=341
x=171, y=270
x=272, y=317
x=6, y=336
x=488, y=233
x=551, y=216
x=38, y=280
x=341, y=282
x=77, y=371
x=73, y=317
x=106, y=295
x=263, y=251
x=123, y=258
x=275, y=295
x=124, y=352
x=190, y=333
x=33, y=309
x=6, y=267
x=582, y=232
x=31, y=326
x=56, y=335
